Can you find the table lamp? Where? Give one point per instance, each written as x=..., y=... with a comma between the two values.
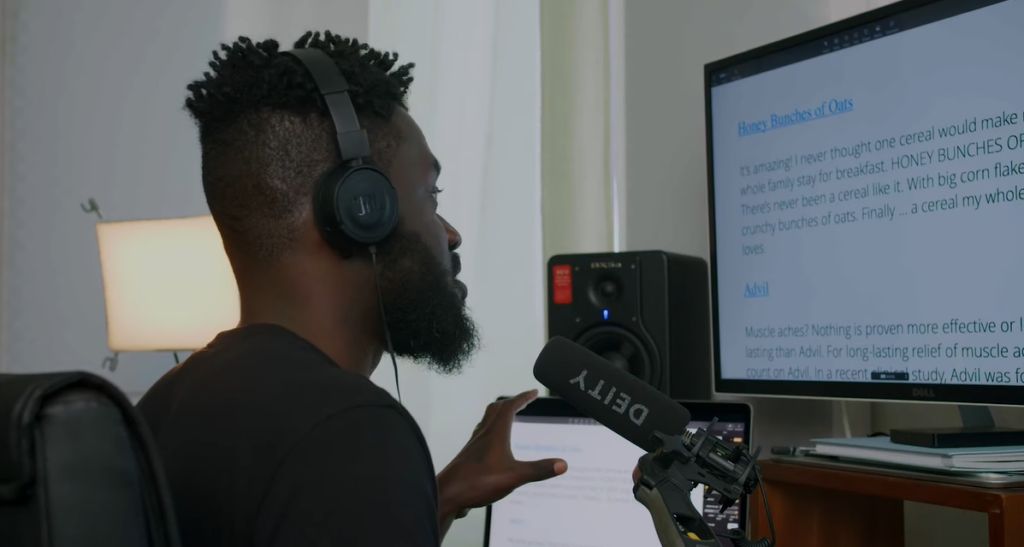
x=167, y=284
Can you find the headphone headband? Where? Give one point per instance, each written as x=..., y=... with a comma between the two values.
x=353, y=144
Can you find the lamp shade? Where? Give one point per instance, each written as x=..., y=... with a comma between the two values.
x=167, y=283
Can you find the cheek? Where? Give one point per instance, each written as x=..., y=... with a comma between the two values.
x=428, y=226
x=421, y=220
x=439, y=238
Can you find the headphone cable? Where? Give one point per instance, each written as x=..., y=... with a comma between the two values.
x=384, y=320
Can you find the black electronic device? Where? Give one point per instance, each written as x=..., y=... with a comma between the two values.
x=958, y=437
x=828, y=153
x=645, y=311
x=353, y=203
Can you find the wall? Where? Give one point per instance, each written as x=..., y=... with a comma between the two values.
x=4, y=50
x=667, y=44
x=95, y=95
x=286, y=21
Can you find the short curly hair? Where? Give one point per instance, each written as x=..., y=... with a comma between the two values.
x=266, y=136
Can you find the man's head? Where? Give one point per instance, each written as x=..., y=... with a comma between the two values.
x=266, y=141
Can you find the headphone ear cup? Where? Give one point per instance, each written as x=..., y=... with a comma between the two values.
x=358, y=204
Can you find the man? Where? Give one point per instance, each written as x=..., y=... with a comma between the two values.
x=273, y=434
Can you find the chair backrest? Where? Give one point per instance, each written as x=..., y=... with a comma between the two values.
x=77, y=467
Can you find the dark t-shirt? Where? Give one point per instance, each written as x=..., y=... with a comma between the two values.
x=266, y=442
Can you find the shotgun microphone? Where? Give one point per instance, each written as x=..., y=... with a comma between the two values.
x=616, y=399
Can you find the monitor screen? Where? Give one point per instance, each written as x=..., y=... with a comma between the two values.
x=866, y=185
x=592, y=505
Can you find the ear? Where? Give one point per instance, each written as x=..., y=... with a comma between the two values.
x=339, y=244
x=321, y=240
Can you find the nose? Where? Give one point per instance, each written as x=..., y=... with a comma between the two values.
x=454, y=237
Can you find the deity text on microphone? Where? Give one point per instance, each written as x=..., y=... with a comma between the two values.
x=637, y=412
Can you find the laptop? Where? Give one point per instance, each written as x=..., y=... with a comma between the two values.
x=592, y=505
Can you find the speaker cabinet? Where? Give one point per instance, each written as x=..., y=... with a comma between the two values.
x=647, y=312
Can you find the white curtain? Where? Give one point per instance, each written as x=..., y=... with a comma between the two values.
x=582, y=155
x=476, y=95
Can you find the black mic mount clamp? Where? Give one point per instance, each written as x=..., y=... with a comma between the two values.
x=682, y=463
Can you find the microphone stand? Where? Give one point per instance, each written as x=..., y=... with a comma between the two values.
x=670, y=473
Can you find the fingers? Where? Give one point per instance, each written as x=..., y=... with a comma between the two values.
x=513, y=404
x=510, y=407
x=520, y=401
x=505, y=410
x=502, y=412
x=540, y=470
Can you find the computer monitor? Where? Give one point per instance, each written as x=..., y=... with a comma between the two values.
x=866, y=184
x=592, y=505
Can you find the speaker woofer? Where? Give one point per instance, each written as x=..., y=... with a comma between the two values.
x=623, y=349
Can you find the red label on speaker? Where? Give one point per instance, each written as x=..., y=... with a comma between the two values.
x=561, y=276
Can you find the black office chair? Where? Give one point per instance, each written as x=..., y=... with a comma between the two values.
x=77, y=467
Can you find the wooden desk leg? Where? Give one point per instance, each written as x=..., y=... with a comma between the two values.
x=812, y=517
x=1006, y=527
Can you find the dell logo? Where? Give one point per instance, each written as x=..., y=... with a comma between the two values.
x=923, y=393
x=619, y=402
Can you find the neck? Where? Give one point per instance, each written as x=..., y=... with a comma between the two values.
x=335, y=311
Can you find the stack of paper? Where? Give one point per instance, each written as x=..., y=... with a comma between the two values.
x=882, y=450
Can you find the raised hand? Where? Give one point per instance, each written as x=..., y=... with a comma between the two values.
x=485, y=470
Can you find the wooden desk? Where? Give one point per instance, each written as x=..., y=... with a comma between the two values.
x=816, y=506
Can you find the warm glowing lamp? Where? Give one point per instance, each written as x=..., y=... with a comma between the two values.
x=167, y=284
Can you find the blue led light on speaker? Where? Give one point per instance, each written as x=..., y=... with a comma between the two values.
x=604, y=314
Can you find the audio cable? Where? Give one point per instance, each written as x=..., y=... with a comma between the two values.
x=384, y=320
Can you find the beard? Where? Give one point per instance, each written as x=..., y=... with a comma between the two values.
x=425, y=305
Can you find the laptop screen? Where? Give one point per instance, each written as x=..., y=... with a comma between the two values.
x=592, y=505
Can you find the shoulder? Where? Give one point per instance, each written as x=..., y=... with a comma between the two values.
x=265, y=389
x=266, y=366
x=361, y=476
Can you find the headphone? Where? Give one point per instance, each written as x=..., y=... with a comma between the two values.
x=353, y=202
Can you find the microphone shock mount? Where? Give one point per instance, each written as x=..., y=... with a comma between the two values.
x=682, y=463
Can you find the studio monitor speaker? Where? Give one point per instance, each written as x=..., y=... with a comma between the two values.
x=647, y=312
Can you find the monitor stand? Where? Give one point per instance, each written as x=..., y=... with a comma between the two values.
x=979, y=429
